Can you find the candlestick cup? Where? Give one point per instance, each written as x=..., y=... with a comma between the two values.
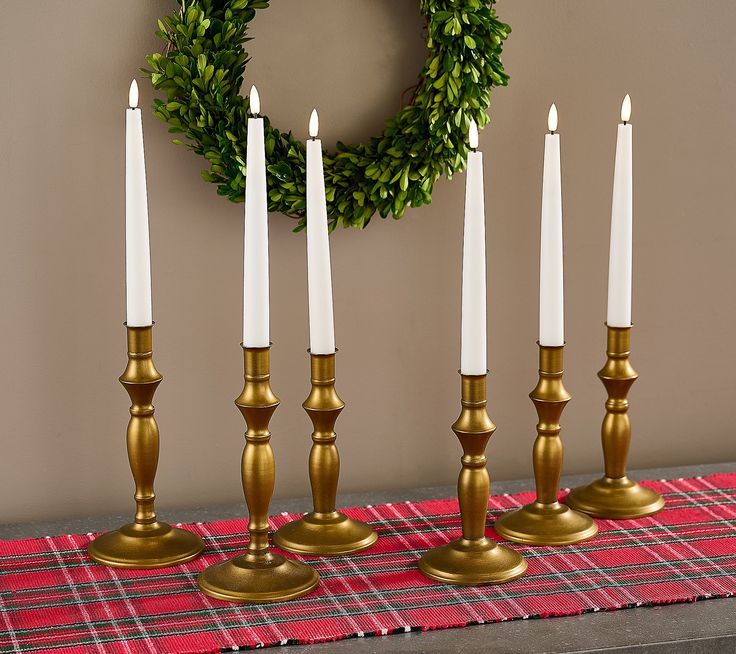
x=614, y=495
x=146, y=542
x=473, y=559
x=545, y=521
x=324, y=531
x=259, y=575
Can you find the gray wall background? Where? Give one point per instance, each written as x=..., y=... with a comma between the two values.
x=397, y=284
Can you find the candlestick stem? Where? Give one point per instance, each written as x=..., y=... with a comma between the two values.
x=324, y=531
x=146, y=542
x=615, y=495
x=259, y=575
x=474, y=558
x=545, y=521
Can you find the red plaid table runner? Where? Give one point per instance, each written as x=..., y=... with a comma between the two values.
x=52, y=598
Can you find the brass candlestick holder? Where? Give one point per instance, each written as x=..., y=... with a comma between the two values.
x=615, y=495
x=473, y=559
x=258, y=575
x=324, y=531
x=146, y=542
x=545, y=521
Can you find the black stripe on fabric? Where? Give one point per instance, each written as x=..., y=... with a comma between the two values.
x=493, y=513
x=236, y=547
x=377, y=568
x=576, y=587
x=137, y=637
x=463, y=597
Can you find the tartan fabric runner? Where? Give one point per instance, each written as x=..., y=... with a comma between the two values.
x=52, y=598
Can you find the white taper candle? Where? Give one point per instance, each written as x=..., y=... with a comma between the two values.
x=473, y=358
x=137, y=245
x=255, y=263
x=551, y=296
x=321, y=319
x=622, y=212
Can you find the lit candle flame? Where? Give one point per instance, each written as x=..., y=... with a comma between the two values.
x=473, y=135
x=626, y=109
x=552, y=118
x=314, y=124
x=255, y=101
x=133, y=95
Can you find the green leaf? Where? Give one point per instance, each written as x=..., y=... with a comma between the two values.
x=201, y=69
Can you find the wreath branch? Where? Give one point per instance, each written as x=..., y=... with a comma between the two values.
x=201, y=70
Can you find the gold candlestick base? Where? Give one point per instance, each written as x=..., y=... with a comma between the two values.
x=546, y=521
x=324, y=531
x=157, y=545
x=325, y=534
x=258, y=575
x=473, y=559
x=257, y=580
x=617, y=499
x=146, y=542
x=472, y=562
x=546, y=524
x=616, y=496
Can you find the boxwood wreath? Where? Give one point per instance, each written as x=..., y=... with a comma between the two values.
x=201, y=72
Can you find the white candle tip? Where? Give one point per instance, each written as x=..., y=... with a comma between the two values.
x=133, y=95
x=552, y=118
x=314, y=124
x=473, y=135
x=626, y=109
x=255, y=101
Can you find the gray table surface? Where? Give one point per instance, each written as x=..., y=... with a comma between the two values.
x=707, y=627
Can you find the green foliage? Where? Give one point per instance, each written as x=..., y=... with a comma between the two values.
x=202, y=70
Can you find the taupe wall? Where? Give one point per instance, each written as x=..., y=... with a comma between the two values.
x=65, y=73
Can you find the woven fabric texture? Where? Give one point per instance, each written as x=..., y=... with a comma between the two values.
x=53, y=598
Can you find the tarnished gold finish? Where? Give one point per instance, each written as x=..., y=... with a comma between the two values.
x=615, y=495
x=474, y=558
x=259, y=575
x=325, y=531
x=146, y=542
x=545, y=521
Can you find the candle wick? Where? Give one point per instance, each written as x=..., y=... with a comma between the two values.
x=626, y=122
